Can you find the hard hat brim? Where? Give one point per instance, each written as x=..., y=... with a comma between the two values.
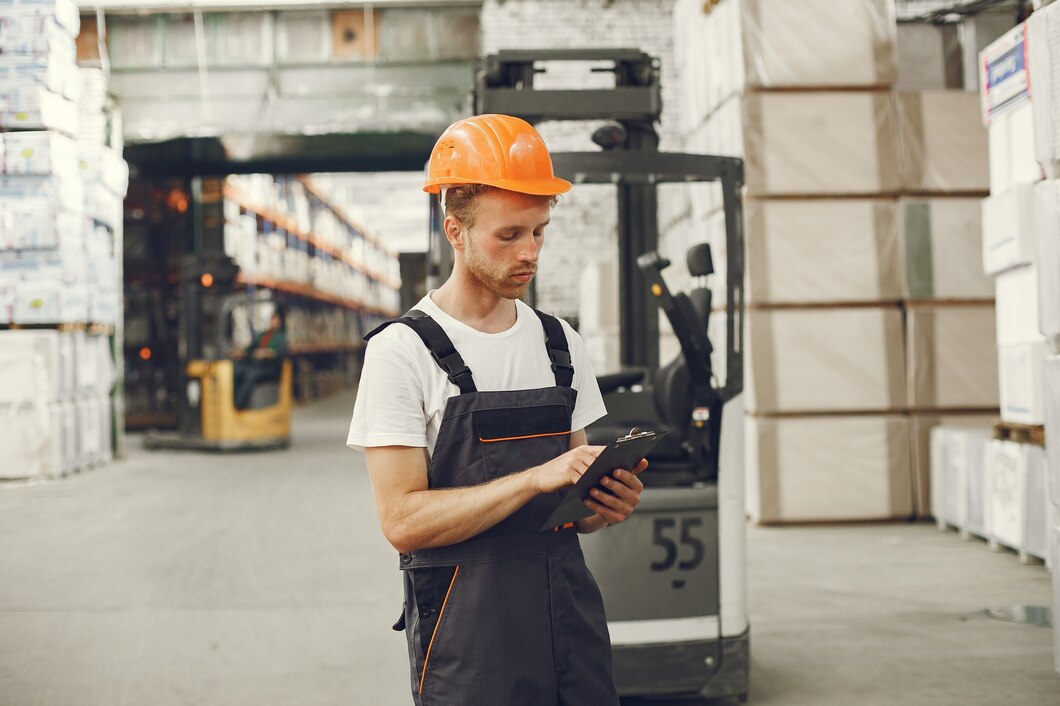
x=553, y=186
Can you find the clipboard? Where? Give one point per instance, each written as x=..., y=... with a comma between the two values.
x=624, y=452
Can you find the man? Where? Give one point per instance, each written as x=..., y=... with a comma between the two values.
x=471, y=413
x=260, y=361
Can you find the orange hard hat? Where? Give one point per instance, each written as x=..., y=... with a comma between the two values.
x=497, y=150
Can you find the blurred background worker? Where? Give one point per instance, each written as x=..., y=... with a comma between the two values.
x=261, y=360
x=471, y=413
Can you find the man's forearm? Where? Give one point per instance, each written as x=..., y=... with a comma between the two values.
x=436, y=518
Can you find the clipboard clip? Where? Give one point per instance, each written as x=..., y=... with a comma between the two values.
x=636, y=433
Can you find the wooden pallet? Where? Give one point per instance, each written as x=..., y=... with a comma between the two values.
x=1020, y=433
x=1025, y=558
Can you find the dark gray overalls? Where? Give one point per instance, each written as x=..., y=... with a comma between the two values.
x=511, y=615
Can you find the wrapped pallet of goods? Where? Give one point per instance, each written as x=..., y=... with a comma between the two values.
x=822, y=250
x=958, y=478
x=1019, y=510
x=828, y=359
x=831, y=468
x=940, y=239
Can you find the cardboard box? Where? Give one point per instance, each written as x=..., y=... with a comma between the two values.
x=825, y=360
x=951, y=357
x=1009, y=229
x=64, y=11
x=105, y=166
x=819, y=143
x=64, y=193
x=1021, y=371
x=817, y=251
x=803, y=469
x=1010, y=138
x=957, y=456
x=788, y=45
x=28, y=107
x=941, y=242
x=40, y=225
x=942, y=142
x=1047, y=261
x=1016, y=295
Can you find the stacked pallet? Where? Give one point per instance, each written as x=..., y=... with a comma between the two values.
x=62, y=180
x=868, y=316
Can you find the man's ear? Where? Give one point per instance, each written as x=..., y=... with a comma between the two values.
x=454, y=232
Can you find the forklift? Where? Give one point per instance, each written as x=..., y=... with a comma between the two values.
x=673, y=576
x=208, y=418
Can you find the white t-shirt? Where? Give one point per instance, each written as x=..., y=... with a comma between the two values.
x=402, y=393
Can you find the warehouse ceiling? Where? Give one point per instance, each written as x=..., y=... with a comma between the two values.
x=337, y=88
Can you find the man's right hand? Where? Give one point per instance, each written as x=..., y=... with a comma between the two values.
x=564, y=470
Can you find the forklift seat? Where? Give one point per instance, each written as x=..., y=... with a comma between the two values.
x=668, y=402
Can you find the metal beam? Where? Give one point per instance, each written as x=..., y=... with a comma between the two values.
x=282, y=154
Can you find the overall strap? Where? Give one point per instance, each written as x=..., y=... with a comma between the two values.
x=440, y=346
x=558, y=351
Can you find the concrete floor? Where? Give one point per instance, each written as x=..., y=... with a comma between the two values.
x=263, y=579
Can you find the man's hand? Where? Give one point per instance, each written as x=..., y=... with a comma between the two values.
x=564, y=470
x=622, y=494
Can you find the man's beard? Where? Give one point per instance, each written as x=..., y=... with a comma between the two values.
x=492, y=277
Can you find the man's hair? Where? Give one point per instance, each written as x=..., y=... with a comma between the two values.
x=460, y=201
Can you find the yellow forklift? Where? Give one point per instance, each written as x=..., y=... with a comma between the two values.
x=209, y=419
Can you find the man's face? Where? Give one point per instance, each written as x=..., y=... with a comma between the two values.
x=501, y=248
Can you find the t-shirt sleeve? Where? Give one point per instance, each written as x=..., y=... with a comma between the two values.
x=389, y=407
x=590, y=404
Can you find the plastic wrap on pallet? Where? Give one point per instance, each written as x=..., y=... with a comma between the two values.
x=44, y=351
x=958, y=457
x=819, y=143
x=34, y=35
x=941, y=244
x=1009, y=229
x=942, y=142
x=1021, y=381
x=1043, y=29
x=1018, y=512
x=1051, y=408
x=818, y=43
x=828, y=468
x=1047, y=261
x=1007, y=492
x=951, y=357
x=825, y=360
x=1016, y=296
x=818, y=251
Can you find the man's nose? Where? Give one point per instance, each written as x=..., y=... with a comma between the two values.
x=530, y=250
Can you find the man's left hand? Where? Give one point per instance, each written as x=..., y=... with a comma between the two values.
x=622, y=494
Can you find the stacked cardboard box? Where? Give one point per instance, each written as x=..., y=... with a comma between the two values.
x=1043, y=30
x=868, y=308
x=55, y=397
x=62, y=180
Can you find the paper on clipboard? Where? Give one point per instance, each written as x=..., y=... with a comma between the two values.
x=625, y=452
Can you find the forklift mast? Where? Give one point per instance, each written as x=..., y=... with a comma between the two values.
x=629, y=159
